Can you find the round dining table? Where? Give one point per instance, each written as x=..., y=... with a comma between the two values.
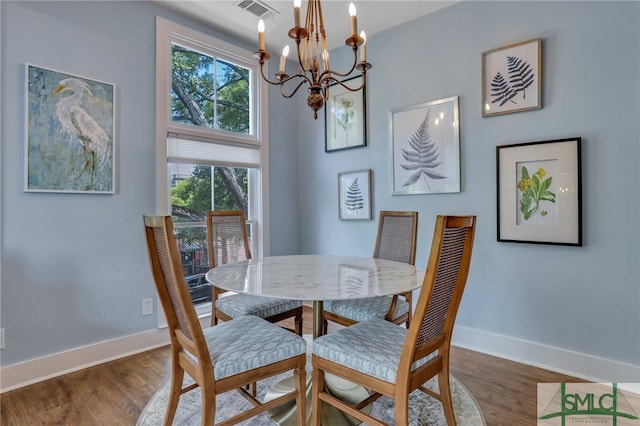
x=316, y=278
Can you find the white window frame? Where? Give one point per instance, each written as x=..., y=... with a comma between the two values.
x=168, y=33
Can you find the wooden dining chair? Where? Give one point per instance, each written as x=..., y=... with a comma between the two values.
x=228, y=242
x=229, y=356
x=391, y=360
x=395, y=240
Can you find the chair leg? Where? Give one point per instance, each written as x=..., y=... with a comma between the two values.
x=177, y=376
x=301, y=391
x=316, y=386
x=298, y=323
x=214, y=320
x=208, y=405
x=445, y=396
x=402, y=409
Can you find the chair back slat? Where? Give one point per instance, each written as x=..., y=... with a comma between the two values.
x=227, y=237
x=444, y=281
x=170, y=283
x=449, y=264
x=396, y=238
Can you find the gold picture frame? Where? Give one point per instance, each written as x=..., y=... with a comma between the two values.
x=512, y=78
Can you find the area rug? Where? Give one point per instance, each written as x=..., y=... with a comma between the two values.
x=423, y=410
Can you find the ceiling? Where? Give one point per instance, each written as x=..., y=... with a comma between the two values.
x=374, y=16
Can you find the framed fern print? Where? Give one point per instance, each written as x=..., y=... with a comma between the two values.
x=425, y=141
x=512, y=78
x=540, y=192
x=354, y=195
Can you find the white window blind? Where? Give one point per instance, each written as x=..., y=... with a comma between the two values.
x=181, y=150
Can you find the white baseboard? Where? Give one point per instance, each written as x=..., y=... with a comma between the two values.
x=560, y=360
x=550, y=358
x=36, y=370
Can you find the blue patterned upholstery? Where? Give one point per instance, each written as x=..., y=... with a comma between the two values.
x=366, y=309
x=238, y=305
x=247, y=343
x=372, y=347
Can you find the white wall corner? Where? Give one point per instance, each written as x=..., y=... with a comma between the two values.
x=560, y=360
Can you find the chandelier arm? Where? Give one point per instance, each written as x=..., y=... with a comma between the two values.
x=265, y=78
x=327, y=74
x=294, y=90
x=354, y=89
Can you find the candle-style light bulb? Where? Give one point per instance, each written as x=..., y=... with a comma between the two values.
x=363, y=48
x=296, y=12
x=354, y=20
x=283, y=58
x=261, y=43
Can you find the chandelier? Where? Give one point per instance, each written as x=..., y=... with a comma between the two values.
x=313, y=57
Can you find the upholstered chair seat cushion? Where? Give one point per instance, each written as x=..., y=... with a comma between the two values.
x=371, y=347
x=249, y=342
x=365, y=309
x=238, y=305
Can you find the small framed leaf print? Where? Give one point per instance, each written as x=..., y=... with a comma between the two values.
x=354, y=195
x=512, y=78
x=425, y=143
x=540, y=192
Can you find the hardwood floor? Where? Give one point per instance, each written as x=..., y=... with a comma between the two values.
x=115, y=393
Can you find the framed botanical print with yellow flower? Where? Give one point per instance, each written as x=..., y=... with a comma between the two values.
x=346, y=116
x=539, y=189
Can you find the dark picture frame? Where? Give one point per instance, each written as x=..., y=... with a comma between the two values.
x=346, y=116
x=512, y=78
x=539, y=192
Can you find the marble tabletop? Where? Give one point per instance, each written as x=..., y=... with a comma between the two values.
x=317, y=277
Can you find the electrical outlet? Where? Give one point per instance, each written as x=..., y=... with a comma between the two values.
x=147, y=307
x=1, y=338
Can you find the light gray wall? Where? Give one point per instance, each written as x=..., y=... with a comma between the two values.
x=583, y=299
x=283, y=172
x=74, y=267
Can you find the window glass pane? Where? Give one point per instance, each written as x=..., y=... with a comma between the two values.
x=195, y=261
x=209, y=92
x=192, y=87
x=192, y=192
x=232, y=97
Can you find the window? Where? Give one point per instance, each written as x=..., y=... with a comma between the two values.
x=210, y=141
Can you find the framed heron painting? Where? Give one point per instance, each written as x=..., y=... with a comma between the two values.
x=70, y=133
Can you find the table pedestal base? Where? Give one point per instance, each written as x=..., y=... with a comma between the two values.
x=285, y=415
